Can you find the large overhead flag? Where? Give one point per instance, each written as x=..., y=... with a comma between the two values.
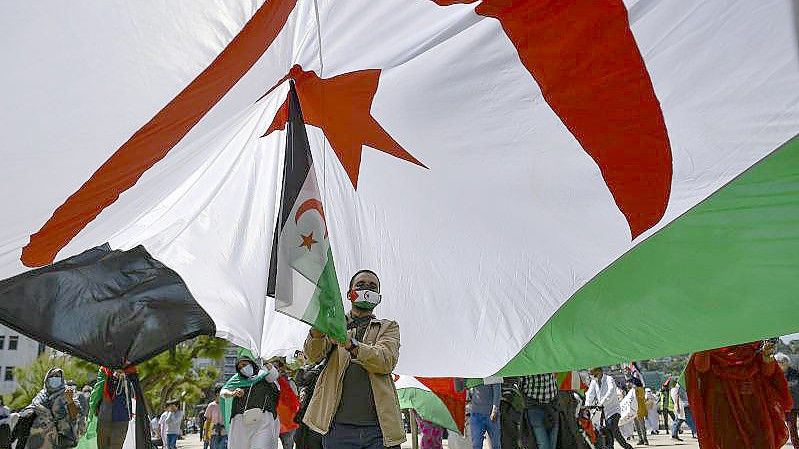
x=541, y=186
x=302, y=275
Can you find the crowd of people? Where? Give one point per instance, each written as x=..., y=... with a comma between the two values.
x=341, y=395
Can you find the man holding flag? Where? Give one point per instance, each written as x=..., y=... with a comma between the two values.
x=355, y=402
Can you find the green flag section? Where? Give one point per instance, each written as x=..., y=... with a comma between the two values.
x=302, y=276
x=428, y=406
x=725, y=272
x=89, y=439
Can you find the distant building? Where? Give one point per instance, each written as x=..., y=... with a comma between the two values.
x=228, y=368
x=226, y=365
x=15, y=351
x=200, y=363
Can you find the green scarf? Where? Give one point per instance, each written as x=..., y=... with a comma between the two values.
x=239, y=381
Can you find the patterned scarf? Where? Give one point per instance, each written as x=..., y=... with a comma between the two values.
x=361, y=323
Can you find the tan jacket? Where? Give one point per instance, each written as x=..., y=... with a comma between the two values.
x=378, y=354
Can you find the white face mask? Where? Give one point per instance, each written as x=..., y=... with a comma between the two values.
x=247, y=371
x=365, y=299
x=54, y=382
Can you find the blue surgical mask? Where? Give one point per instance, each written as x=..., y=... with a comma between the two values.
x=54, y=382
x=247, y=371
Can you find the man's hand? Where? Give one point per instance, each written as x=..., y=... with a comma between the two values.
x=238, y=392
x=315, y=333
x=494, y=413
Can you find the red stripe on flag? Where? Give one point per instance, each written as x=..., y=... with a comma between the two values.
x=156, y=138
x=585, y=59
x=455, y=401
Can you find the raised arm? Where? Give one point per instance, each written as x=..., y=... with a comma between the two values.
x=316, y=347
x=382, y=356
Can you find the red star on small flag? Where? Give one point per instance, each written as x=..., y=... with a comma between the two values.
x=307, y=241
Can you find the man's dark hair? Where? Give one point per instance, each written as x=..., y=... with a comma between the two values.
x=362, y=272
x=217, y=389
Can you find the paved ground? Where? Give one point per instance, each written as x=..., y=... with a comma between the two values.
x=658, y=441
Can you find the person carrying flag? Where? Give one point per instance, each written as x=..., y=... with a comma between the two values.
x=111, y=403
x=354, y=405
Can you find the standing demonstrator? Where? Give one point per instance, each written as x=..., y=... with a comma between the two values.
x=249, y=405
x=355, y=405
x=58, y=416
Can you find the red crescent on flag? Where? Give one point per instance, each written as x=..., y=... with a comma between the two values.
x=311, y=204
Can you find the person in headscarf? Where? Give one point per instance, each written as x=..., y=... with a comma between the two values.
x=652, y=419
x=739, y=397
x=636, y=385
x=249, y=405
x=59, y=419
x=629, y=411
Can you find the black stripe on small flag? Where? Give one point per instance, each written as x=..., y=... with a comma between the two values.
x=296, y=167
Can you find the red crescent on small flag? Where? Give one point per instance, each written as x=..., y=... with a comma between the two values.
x=311, y=204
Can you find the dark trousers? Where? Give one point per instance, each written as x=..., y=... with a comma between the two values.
x=287, y=439
x=640, y=427
x=509, y=426
x=218, y=441
x=689, y=419
x=345, y=436
x=111, y=435
x=675, y=427
x=666, y=414
x=305, y=438
x=611, y=432
x=171, y=441
x=544, y=425
x=790, y=419
x=480, y=425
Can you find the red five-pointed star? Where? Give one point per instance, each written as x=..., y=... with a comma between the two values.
x=585, y=59
x=341, y=107
x=307, y=241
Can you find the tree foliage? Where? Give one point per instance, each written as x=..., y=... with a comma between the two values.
x=169, y=375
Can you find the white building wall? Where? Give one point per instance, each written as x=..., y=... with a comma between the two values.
x=15, y=351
